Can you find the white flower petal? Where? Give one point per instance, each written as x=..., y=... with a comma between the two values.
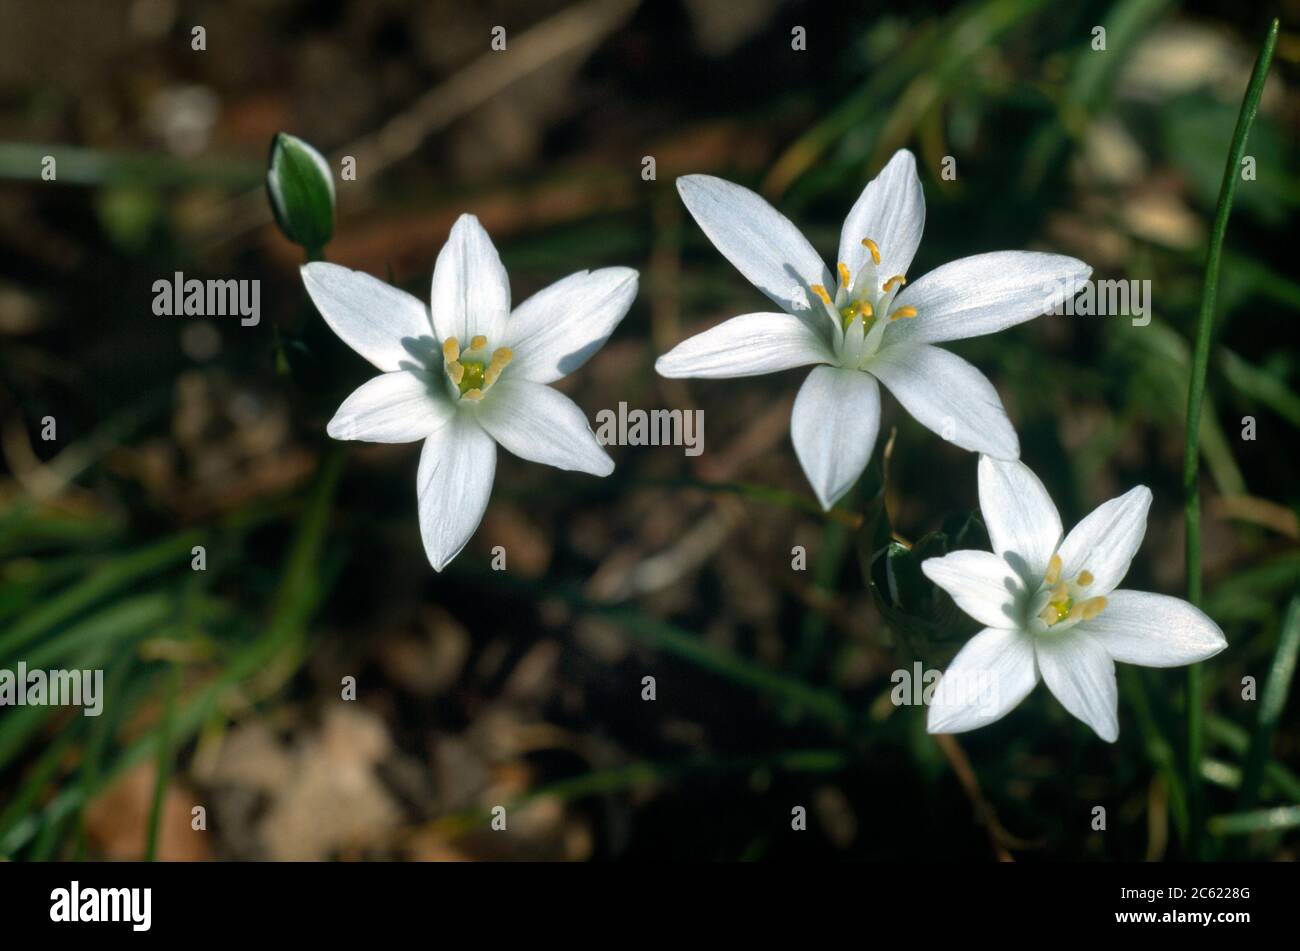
x=1105, y=542
x=834, y=424
x=990, y=675
x=1154, y=630
x=1080, y=672
x=454, y=482
x=949, y=396
x=384, y=324
x=985, y=293
x=891, y=212
x=471, y=292
x=558, y=329
x=542, y=425
x=746, y=346
x=396, y=407
x=1021, y=519
x=982, y=584
x=762, y=244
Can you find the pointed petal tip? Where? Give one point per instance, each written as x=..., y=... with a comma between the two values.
x=932, y=724
x=604, y=469
x=467, y=221
x=826, y=504
x=317, y=270
x=938, y=725
x=826, y=496
x=624, y=275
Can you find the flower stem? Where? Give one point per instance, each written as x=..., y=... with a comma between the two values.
x=1195, y=398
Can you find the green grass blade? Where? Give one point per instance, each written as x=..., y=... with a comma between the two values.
x=1282, y=781
x=1195, y=399
x=1260, y=820
x=117, y=574
x=166, y=730
x=1271, y=703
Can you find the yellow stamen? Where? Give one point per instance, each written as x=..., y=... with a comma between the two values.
x=845, y=276
x=1053, y=570
x=1049, y=615
x=867, y=309
x=896, y=281
x=903, y=312
x=873, y=248
x=821, y=292
x=451, y=350
x=489, y=374
x=474, y=394
x=456, y=371
x=478, y=343
x=1092, y=607
x=1061, y=591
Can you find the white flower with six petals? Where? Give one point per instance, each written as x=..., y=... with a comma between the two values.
x=1052, y=609
x=871, y=327
x=467, y=373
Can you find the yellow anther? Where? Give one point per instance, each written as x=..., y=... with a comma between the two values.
x=502, y=356
x=450, y=350
x=873, y=248
x=821, y=292
x=903, y=312
x=896, y=281
x=490, y=374
x=1061, y=591
x=1053, y=570
x=867, y=309
x=1092, y=607
x=1085, y=578
x=474, y=394
x=845, y=276
x=456, y=371
x=478, y=342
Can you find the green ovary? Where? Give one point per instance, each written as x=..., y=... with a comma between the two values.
x=853, y=310
x=473, y=377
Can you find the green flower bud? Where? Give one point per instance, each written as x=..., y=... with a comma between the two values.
x=301, y=190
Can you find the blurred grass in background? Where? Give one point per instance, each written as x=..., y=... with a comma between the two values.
x=478, y=688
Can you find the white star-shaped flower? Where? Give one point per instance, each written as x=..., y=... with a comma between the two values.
x=467, y=373
x=863, y=324
x=1052, y=609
